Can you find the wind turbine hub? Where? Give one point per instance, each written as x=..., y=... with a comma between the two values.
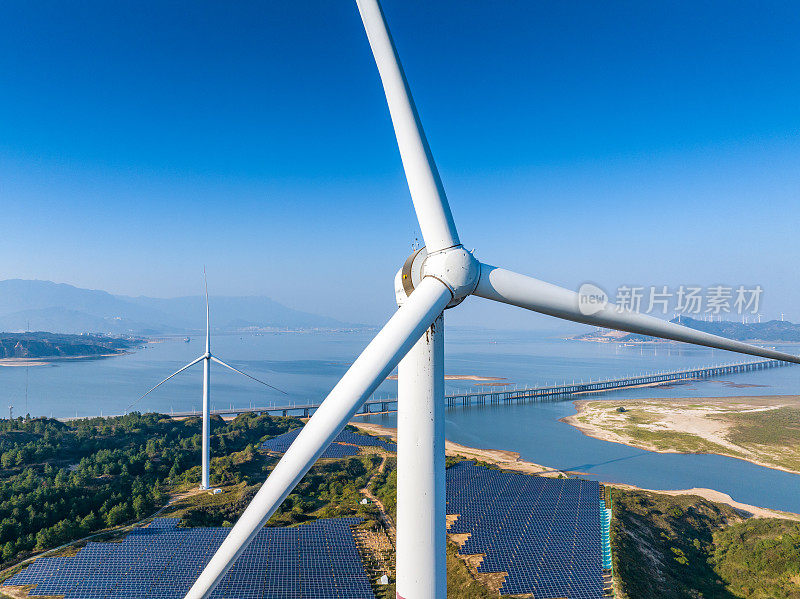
x=455, y=267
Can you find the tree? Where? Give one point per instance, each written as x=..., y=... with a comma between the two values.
x=42, y=502
x=61, y=478
x=140, y=507
x=117, y=514
x=151, y=447
x=90, y=522
x=8, y=459
x=44, y=538
x=158, y=494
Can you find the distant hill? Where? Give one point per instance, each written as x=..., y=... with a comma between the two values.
x=54, y=345
x=61, y=308
x=772, y=331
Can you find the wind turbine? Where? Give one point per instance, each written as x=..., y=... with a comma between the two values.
x=206, y=358
x=434, y=278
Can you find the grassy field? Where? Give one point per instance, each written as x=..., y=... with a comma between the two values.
x=763, y=430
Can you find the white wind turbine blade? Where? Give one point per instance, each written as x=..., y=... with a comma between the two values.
x=369, y=370
x=526, y=292
x=218, y=361
x=189, y=365
x=427, y=192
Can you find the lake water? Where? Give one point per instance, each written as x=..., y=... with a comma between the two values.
x=307, y=365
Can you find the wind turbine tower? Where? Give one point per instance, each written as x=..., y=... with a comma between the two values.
x=206, y=358
x=438, y=276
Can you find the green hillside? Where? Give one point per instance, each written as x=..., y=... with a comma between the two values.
x=680, y=547
x=58, y=345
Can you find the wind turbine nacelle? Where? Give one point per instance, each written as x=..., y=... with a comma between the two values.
x=455, y=267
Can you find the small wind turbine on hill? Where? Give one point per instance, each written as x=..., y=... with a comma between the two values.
x=434, y=278
x=206, y=358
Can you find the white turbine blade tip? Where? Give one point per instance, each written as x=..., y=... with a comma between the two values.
x=424, y=183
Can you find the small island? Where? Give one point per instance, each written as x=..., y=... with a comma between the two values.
x=32, y=349
x=763, y=430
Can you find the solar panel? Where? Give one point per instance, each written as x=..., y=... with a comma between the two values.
x=546, y=533
x=346, y=443
x=312, y=561
x=549, y=535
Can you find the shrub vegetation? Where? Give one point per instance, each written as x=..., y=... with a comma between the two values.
x=63, y=481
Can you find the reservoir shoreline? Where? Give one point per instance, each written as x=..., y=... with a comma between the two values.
x=511, y=460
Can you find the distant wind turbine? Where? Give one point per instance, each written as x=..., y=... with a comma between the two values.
x=206, y=358
x=439, y=276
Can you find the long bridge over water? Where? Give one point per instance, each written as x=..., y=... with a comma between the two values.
x=538, y=393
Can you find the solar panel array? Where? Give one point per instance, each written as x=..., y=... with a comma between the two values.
x=544, y=532
x=342, y=446
x=365, y=441
x=282, y=442
x=313, y=561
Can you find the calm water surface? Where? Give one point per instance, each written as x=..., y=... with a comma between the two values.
x=307, y=365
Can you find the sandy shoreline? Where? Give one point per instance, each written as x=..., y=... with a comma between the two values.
x=12, y=362
x=510, y=460
x=596, y=432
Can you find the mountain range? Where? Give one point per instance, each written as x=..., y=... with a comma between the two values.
x=29, y=305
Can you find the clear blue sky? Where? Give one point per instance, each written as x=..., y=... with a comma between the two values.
x=637, y=142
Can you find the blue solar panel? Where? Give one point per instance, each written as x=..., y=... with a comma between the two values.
x=365, y=441
x=346, y=444
x=545, y=533
x=161, y=561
